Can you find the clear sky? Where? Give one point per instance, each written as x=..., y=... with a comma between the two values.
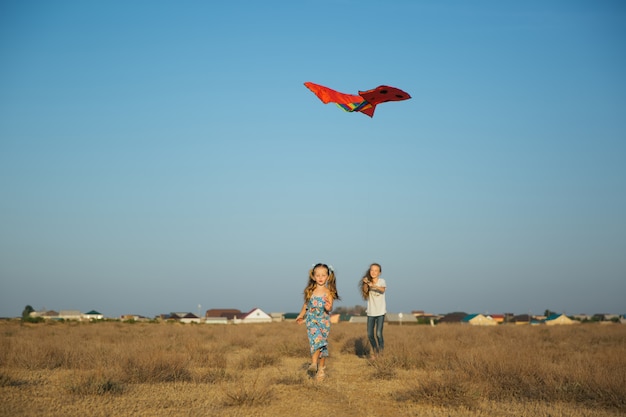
x=160, y=155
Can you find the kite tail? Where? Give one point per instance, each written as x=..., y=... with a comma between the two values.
x=363, y=107
x=369, y=110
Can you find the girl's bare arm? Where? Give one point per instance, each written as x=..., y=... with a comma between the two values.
x=328, y=302
x=300, y=317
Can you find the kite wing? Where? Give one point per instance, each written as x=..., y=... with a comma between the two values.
x=348, y=102
x=365, y=102
x=382, y=94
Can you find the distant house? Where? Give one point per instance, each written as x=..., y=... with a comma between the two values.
x=479, y=320
x=526, y=319
x=556, y=319
x=606, y=318
x=172, y=316
x=50, y=315
x=256, y=315
x=70, y=315
x=455, y=317
x=133, y=317
x=522, y=319
x=498, y=318
x=93, y=315
x=277, y=316
x=189, y=318
x=228, y=313
x=420, y=313
x=215, y=320
x=46, y=315
x=35, y=314
x=400, y=318
x=358, y=319
x=182, y=317
x=423, y=317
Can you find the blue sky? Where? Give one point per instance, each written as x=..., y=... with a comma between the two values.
x=159, y=155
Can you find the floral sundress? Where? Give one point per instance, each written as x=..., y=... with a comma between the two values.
x=317, y=325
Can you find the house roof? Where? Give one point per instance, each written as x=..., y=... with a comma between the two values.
x=229, y=313
x=177, y=315
x=455, y=317
x=70, y=313
x=468, y=318
x=94, y=312
x=255, y=313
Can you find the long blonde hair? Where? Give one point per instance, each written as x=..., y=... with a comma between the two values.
x=365, y=289
x=331, y=283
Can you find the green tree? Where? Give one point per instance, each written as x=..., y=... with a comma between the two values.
x=26, y=312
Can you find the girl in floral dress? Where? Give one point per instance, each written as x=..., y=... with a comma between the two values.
x=319, y=294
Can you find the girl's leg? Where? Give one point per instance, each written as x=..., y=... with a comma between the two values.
x=314, y=363
x=315, y=358
x=371, y=321
x=322, y=363
x=321, y=370
x=380, y=322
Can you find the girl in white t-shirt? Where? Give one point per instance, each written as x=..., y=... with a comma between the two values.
x=373, y=290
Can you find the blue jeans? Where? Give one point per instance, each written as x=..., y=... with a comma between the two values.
x=377, y=342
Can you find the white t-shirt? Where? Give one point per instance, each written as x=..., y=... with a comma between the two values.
x=376, y=304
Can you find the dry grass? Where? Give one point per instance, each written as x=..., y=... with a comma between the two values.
x=103, y=369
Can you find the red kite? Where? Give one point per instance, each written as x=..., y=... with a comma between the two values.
x=365, y=102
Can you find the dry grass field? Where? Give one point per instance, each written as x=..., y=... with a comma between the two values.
x=122, y=369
